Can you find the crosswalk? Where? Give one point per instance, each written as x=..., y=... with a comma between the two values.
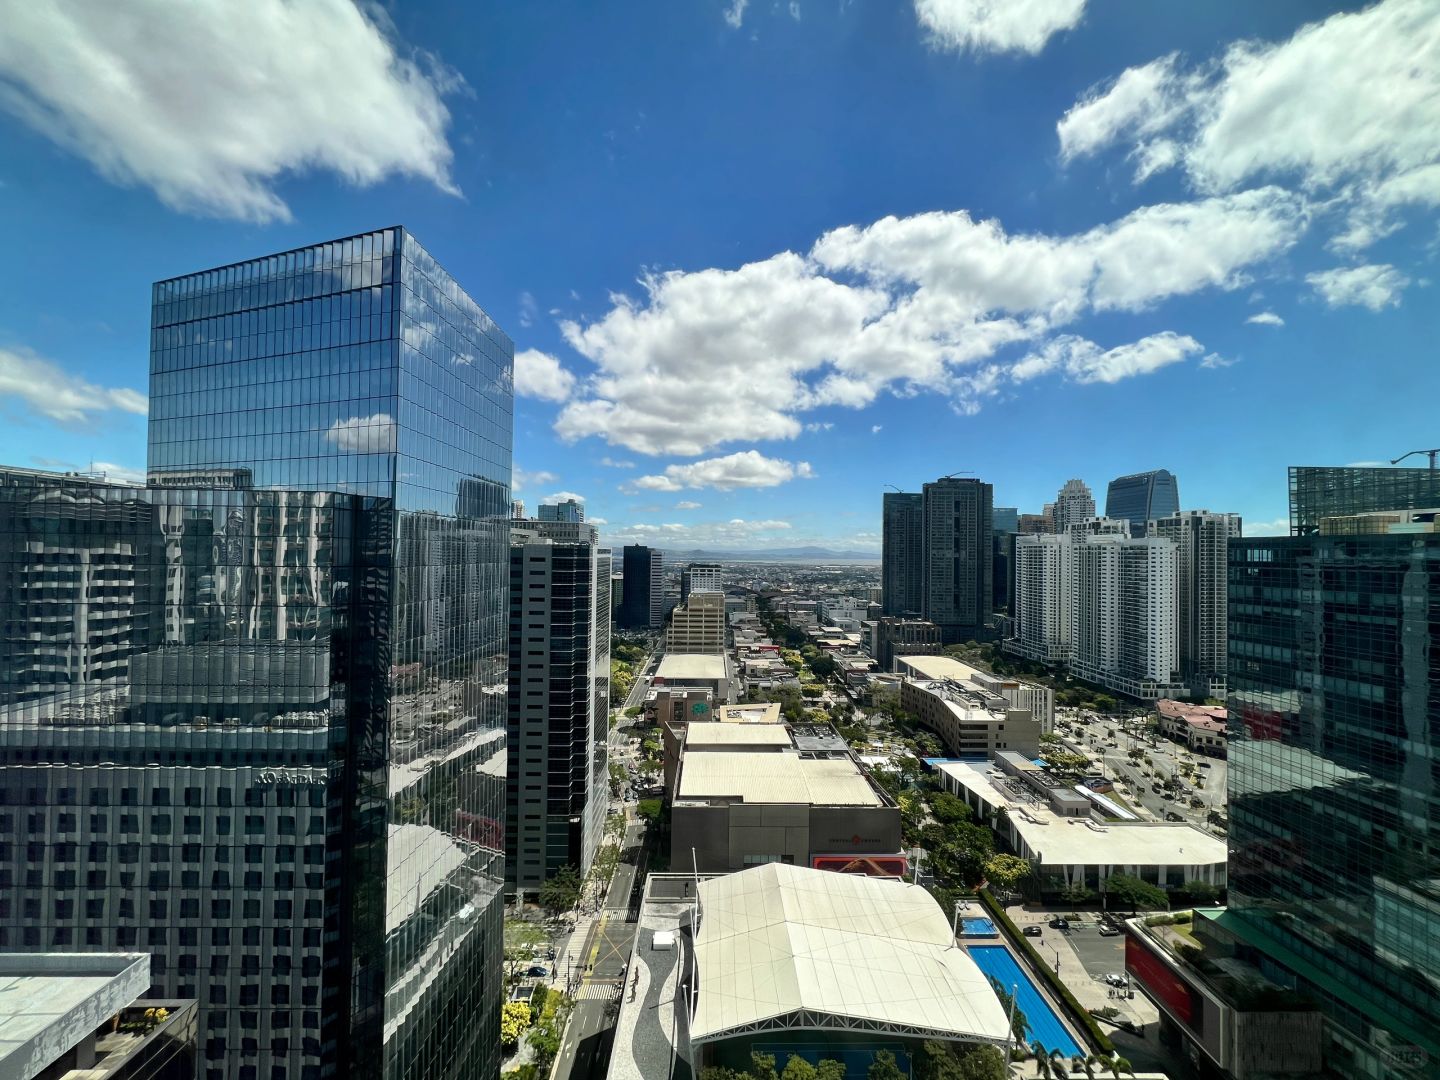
x=597, y=991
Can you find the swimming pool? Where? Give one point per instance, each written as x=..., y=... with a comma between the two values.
x=978, y=927
x=1044, y=1026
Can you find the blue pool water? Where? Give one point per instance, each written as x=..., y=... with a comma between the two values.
x=977, y=927
x=1045, y=1026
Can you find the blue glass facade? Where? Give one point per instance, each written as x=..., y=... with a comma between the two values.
x=1334, y=785
x=1318, y=492
x=256, y=708
x=1143, y=497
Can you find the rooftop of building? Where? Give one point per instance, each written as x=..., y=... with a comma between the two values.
x=50, y=1001
x=711, y=733
x=967, y=701
x=1064, y=841
x=1183, y=710
x=691, y=666
x=763, y=712
x=771, y=775
x=849, y=951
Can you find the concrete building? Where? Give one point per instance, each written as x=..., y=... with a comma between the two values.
x=668, y=705
x=902, y=554
x=1037, y=700
x=697, y=625
x=1066, y=847
x=1074, y=504
x=1383, y=523
x=1142, y=497
x=85, y=1016
x=957, y=587
x=1042, y=611
x=845, y=612
x=1201, y=542
x=1034, y=524
x=706, y=671
x=1203, y=728
x=568, y=510
x=701, y=577
x=750, y=793
x=1125, y=617
x=644, y=591
x=557, y=780
x=894, y=637
x=970, y=721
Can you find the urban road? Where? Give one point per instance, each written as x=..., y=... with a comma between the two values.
x=585, y=1049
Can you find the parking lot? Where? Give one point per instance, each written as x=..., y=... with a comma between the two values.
x=1084, y=957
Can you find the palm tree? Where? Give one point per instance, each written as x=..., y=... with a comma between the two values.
x=1118, y=1065
x=1085, y=1065
x=1049, y=1063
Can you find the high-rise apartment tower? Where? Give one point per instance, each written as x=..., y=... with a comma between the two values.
x=902, y=554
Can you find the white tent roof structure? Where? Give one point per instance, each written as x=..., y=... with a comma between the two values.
x=789, y=948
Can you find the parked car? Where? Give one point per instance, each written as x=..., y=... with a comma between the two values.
x=1059, y=922
x=1204, y=764
x=1171, y=815
x=1115, y=979
x=1032, y=931
x=538, y=971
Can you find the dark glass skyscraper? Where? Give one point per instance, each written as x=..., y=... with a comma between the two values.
x=958, y=583
x=643, y=605
x=1142, y=497
x=902, y=553
x=1318, y=492
x=1335, y=786
x=278, y=753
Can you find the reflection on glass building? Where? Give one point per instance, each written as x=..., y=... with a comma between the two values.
x=1335, y=786
x=1318, y=492
x=252, y=715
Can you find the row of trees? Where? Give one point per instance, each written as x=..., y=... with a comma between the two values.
x=933, y=1060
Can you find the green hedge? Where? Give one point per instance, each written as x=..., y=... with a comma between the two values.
x=1078, y=1012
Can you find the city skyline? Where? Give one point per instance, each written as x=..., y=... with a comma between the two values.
x=1055, y=255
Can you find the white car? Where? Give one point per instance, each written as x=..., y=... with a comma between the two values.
x=1117, y=980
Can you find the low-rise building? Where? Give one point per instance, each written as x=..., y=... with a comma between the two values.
x=708, y=671
x=744, y=794
x=1038, y=700
x=673, y=729
x=1203, y=728
x=670, y=704
x=1080, y=850
x=970, y=722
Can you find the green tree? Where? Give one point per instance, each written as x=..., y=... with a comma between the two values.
x=1200, y=892
x=762, y=1066
x=561, y=890
x=1006, y=871
x=949, y=809
x=1076, y=894
x=649, y=810
x=1019, y=1022
x=522, y=939
x=719, y=1072
x=514, y=1019
x=1130, y=892
x=884, y=1067
x=797, y=1068
x=1049, y=1064
x=830, y=1069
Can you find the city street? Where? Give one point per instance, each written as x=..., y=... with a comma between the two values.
x=584, y=1050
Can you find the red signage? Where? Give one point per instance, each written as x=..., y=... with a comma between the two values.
x=886, y=866
x=1160, y=981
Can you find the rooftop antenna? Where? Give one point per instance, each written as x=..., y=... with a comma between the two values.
x=1430, y=453
x=896, y=488
x=962, y=472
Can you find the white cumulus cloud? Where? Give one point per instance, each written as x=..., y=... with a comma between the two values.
x=48, y=390
x=735, y=13
x=687, y=504
x=539, y=375
x=1266, y=318
x=1086, y=362
x=1347, y=109
x=523, y=478
x=1375, y=287
x=1021, y=26
x=364, y=434
x=743, y=469
x=210, y=104
x=563, y=496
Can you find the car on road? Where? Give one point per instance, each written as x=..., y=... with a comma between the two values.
x=1107, y=930
x=1059, y=923
x=1032, y=931
x=1115, y=979
x=1203, y=764
x=538, y=971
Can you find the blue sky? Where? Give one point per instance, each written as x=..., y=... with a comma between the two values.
x=760, y=260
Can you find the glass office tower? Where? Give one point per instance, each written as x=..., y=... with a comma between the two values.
x=1142, y=497
x=957, y=579
x=902, y=553
x=255, y=711
x=1334, y=786
x=1318, y=492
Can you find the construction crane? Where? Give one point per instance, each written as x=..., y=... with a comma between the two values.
x=1430, y=453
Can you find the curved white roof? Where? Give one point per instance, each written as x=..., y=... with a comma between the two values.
x=786, y=947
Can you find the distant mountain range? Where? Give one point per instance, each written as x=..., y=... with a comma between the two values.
x=809, y=554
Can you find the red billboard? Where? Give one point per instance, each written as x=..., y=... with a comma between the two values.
x=1161, y=982
x=887, y=866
